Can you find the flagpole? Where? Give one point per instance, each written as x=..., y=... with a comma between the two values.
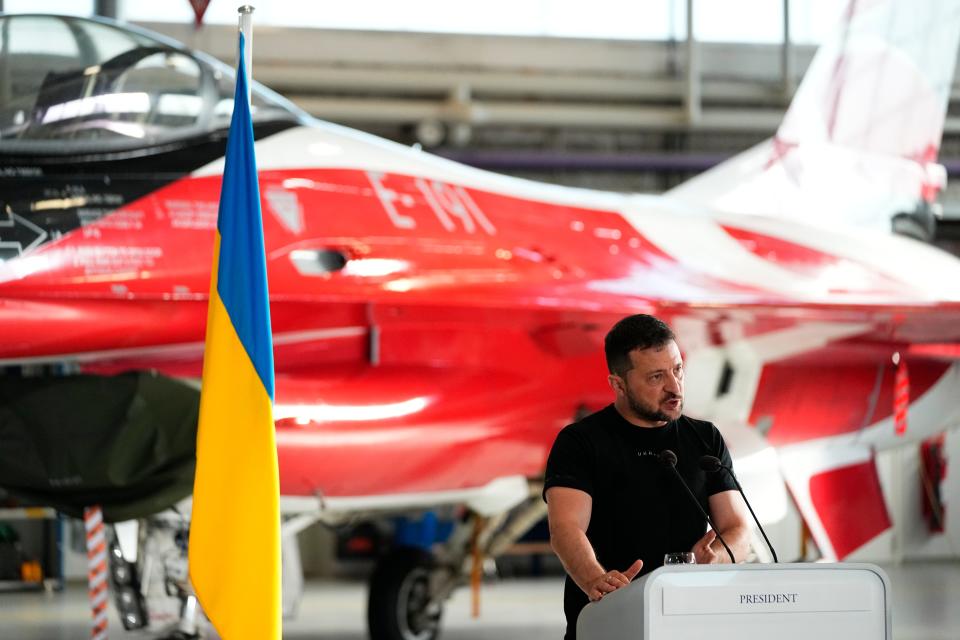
x=246, y=29
x=234, y=554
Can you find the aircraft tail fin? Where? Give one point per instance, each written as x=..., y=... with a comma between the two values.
x=859, y=142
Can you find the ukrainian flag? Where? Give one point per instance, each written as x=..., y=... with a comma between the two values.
x=235, y=527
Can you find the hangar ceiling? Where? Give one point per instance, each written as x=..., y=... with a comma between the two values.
x=398, y=78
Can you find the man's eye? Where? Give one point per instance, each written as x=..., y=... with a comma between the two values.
x=656, y=377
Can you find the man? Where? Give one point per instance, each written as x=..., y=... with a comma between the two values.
x=614, y=509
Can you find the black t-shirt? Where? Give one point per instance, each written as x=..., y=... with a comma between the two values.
x=640, y=510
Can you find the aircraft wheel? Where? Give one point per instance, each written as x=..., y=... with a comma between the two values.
x=399, y=604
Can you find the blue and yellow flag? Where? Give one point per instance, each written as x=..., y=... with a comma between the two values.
x=235, y=527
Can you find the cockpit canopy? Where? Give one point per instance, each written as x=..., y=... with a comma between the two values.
x=74, y=85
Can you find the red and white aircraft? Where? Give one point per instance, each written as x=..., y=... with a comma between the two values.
x=436, y=325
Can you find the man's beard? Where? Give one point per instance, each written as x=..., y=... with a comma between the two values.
x=645, y=411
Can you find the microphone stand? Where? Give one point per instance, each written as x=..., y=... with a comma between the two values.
x=669, y=459
x=713, y=464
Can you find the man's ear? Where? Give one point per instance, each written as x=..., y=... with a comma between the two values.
x=617, y=384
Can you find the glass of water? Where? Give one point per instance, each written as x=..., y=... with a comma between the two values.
x=680, y=557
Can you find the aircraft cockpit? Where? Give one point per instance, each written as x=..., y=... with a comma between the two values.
x=73, y=85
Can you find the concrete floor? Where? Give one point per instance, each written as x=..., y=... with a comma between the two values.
x=926, y=606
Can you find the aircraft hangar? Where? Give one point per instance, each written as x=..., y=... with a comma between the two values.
x=832, y=374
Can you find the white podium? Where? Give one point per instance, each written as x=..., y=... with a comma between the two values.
x=745, y=602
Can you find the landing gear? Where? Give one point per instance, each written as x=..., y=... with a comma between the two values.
x=401, y=606
x=125, y=579
x=409, y=585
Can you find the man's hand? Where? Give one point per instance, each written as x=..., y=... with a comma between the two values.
x=703, y=552
x=611, y=581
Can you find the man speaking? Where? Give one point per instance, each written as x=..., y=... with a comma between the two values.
x=614, y=507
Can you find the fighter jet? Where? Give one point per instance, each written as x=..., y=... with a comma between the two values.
x=436, y=325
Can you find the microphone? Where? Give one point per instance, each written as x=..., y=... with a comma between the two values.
x=669, y=459
x=712, y=464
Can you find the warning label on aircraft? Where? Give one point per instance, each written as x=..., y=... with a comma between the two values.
x=107, y=259
x=192, y=214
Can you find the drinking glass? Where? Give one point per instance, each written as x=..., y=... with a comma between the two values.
x=680, y=557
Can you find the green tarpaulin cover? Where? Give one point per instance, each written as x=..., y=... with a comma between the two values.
x=125, y=442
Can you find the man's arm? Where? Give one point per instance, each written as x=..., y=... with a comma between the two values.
x=729, y=515
x=568, y=514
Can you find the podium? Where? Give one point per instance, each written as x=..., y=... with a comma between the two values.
x=801, y=601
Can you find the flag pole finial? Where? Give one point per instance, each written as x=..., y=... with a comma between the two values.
x=246, y=30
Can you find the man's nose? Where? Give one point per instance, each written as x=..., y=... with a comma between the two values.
x=674, y=385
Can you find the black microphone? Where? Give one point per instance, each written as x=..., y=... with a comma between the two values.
x=669, y=459
x=713, y=464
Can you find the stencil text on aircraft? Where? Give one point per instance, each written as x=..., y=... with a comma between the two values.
x=412, y=203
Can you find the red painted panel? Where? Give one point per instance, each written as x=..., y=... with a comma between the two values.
x=849, y=501
x=815, y=396
x=948, y=351
x=782, y=252
x=413, y=429
x=840, y=274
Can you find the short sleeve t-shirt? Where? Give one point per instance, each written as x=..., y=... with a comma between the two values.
x=640, y=509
